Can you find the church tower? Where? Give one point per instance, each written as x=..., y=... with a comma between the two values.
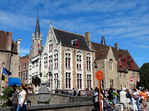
x=103, y=42
x=36, y=40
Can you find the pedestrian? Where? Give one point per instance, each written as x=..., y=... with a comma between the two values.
x=143, y=96
x=115, y=95
x=135, y=100
x=22, y=99
x=128, y=96
x=123, y=99
x=15, y=98
x=86, y=92
x=74, y=93
x=95, y=100
x=91, y=92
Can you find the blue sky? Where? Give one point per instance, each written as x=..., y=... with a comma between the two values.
x=125, y=22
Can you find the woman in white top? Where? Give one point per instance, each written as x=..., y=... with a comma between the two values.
x=21, y=99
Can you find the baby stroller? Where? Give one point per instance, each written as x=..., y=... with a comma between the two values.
x=107, y=106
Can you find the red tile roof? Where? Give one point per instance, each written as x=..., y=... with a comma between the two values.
x=124, y=60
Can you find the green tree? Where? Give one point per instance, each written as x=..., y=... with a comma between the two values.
x=144, y=75
x=7, y=92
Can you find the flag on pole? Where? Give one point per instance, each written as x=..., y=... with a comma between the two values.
x=3, y=77
x=6, y=72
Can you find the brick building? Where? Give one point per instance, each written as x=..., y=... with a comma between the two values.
x=23, y=69
x=9, y=53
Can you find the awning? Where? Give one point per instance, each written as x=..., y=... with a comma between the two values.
x=14, y=81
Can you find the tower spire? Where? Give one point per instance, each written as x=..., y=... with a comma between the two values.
x=103, y=42
x=37, y=28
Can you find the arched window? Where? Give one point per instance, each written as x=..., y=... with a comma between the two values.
x=111, y=64
x=88, y=62
x=55, y=59
x=79, y=60
x=67, y=59
x=45, y=60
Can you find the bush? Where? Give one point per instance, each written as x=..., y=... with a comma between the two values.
x=7, y=92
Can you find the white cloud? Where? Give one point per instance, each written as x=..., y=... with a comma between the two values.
x=24, y=51
x=143, y=46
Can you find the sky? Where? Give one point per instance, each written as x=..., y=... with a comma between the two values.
x=125, y=22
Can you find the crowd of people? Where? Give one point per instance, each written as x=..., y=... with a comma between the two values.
x=134, y=100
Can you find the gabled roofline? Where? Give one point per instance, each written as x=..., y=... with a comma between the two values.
x=51, y=28
x=68, y=32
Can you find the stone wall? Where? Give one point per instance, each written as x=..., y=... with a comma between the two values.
x=56, y=99
x=75, y=106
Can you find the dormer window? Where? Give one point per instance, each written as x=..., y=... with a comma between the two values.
x=75, y=43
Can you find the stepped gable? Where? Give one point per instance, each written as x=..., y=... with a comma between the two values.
x=5, y=41
x=66, y=37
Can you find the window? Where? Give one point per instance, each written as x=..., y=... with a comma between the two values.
x=79, y=61
x=88, y=62
x=68, y=80
x=25, y=66
x=111, y=82
x=50, y=45
x=56, y=82
x=111, y=64
x=67, y=59
x=50, y=62
x=19, y=75
x=89, y=80
x=79, y=81
x=55, y=59
x=45, y=60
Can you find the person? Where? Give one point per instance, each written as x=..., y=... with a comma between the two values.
x=123, y=99
x=95, y=100
x=22, y=99
x=86, y=92
x=135, y=100
x=128, y=96
x=91, y=92
x=78, y=92
x=15, y=98
x=74, y=92
x=115, y=95
x=143, y=96
x=110, y=93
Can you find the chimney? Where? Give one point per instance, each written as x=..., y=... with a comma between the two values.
x=9, y=41
x=18, y=45
x=87, y=39
x=116, y=46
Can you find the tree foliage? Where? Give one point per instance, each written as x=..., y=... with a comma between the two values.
x=7, y=92
x=144, y=75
